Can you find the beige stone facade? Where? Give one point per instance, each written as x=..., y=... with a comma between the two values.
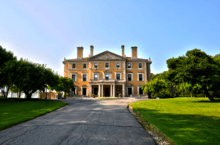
x=107, y=74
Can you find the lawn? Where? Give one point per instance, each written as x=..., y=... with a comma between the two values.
x=107, y=98
x=14, y=111
x=185, y=120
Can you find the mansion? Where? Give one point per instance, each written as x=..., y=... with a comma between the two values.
x=107, y=74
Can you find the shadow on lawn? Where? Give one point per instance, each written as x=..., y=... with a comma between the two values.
x=185, y=128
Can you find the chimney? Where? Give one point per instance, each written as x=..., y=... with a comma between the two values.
x=91, y=50
x=134, y=52
x=123, y=50
x=80, y=52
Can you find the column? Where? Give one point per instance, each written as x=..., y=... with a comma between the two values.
x=99, y=91
x=123, y=90
x=113, y=90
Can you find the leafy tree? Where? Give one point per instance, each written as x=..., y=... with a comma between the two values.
x=5, y=56
x=158, y=86
x=65, y=84
x=196, y=68
x=32, y=77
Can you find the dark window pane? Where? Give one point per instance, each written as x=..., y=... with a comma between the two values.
x=106, y=65
x=74, y=77
x=129, y=65
x=140, y=77
x=95, y=65
x=118, y=76
x=84, y=65
x=95, y=76
x=84, y=77
x=74, y=66
x=129, y=91
x=106, y=76
x=140, y=65
x=118, y=65
x=129, y=77
x=95, y=91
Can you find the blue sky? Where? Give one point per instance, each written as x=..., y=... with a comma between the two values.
x=46, y=31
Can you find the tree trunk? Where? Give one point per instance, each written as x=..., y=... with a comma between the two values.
x=191, y=94
x=46, y=93
x=211, y=97
x=28, y=96
x=5, y=94
x=182, y=93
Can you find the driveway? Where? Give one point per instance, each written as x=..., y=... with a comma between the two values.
x=82, y=122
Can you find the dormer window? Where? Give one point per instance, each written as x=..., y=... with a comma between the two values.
x=106, y=65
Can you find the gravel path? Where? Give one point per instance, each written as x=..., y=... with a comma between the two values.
x=82, y=122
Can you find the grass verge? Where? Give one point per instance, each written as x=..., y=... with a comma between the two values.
x=15, y=111
x=184, y=120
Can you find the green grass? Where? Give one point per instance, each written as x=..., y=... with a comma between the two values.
x=107, y=98
x=14, y=111
x=184, y=120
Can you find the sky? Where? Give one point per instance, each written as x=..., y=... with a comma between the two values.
x=46, y=31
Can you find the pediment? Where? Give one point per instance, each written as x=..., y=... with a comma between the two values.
x=107, y=71
x=107, y=55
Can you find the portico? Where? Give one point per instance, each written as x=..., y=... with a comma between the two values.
x=106, y=89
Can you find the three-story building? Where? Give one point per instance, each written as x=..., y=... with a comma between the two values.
x=107, y=74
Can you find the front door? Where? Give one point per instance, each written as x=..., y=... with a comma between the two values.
x=107, y=92
x=96, y=91
x=129, y=91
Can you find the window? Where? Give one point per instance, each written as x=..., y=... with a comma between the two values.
x=140, y=77
x=74, y=77
x=117, y=64
x=129, y=77
x=74, y=65
x=84, y=65
x=140, y=91
x=95, y=65
x=139, y=65
x=118, y=76
x=129, y=65
x=106, y=76
x=95, y=76
x=84, y=77
x=84, y=91
x=106, y=65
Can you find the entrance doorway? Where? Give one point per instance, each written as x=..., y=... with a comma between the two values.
x=106, y=91
x=129, y=91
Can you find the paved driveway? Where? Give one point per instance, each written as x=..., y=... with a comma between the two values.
x=83, y=122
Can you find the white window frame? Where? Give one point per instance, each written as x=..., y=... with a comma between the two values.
x=131, y=77
x=120, y=75
x=83, y=65
x=94, y=75
x=129, y=63
x=75, y=76
x=142, y=65
x=86, y=77
x=138, y=77
x=72, y=65
x=108, y=65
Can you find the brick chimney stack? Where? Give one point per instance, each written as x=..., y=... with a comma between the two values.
x=134, y=52
x=123, y=50
x=80, y=52
x=91, y=50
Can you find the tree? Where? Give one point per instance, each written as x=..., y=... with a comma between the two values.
x=196, y=68
x=7, y=60
x=32, y=77
x=159, y=86
x=65, y=84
